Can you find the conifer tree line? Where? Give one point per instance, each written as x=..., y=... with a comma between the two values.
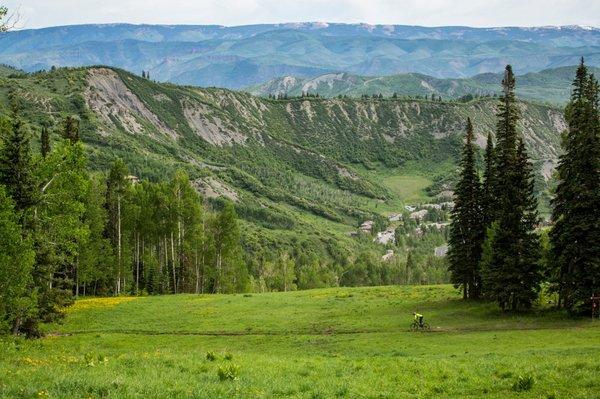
x=495, y=239
x=65, y=231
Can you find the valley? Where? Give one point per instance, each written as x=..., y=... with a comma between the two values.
x=206, y=202
x=299, y=169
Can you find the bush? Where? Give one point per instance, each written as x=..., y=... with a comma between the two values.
x=523, y=383
x=228, y=356
x=210, y=356
x=228, y=372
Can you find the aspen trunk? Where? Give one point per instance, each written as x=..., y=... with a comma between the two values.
x=173, y=264
x=197, y=269
x=77, y=278
x=219, y=271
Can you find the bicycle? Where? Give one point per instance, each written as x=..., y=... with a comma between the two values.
x=416, y=326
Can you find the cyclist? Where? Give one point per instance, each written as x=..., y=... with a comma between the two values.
x=418, y=318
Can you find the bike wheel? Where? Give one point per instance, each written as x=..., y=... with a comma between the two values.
x=414, y=326
x=426, y=326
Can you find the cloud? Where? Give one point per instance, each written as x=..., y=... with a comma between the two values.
x=39, y=13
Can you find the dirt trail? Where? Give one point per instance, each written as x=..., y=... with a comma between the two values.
x=325, y=331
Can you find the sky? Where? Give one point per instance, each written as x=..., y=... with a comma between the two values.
x=480, y=13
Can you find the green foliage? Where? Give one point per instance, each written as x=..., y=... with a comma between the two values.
x=523, y=383
x=228, y=372
x=512, y=269
x=59, y=229
x=16, y=168
x=575, y=238
x=17, y=299
x=45, y=142
x=467, y=227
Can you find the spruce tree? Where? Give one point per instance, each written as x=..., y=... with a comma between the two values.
x=511, y=270
x=489, y=201
x=71, y=129
x=45, y=142
x=575, y=238
x=16, y=165
x=466, y=229
x=529, y=269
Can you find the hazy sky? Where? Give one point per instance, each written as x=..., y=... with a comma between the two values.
x=40, y=13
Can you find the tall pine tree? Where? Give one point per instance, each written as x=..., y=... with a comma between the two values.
x=467, y=229
x=575, y=238
x=45, y=139
x=489, y=200
x=16, y=164
x=511, y=269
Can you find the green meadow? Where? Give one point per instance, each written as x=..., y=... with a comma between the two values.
x=326, y=343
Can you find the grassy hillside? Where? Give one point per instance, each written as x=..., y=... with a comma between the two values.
x=551, y=85
x=303, y=173
x=310, y=344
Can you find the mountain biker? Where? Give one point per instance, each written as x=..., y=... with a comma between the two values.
x=418, y=318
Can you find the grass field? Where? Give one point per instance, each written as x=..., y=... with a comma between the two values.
x=343, y=342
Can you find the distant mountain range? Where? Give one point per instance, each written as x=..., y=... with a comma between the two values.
x=550, y=85
x=236, y=57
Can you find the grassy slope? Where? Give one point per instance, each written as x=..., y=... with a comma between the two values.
x=309, y=344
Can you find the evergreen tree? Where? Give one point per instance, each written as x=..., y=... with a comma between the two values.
x=511, y=271
x=409, y=267
x=71, y=129
x=16, y=172
x=489, y=201
x=466, y=229
x=45, y=142
x=575, y=238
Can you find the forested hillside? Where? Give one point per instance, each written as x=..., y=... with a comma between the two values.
x=303, y=174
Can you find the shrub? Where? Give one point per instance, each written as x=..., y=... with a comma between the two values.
x=228, y=356
x=228, y=372
x=210, y=356
x=523, y=383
